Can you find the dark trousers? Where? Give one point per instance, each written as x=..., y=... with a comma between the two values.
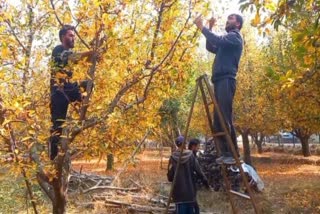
x=224, y=91
x=196, y=208
x=185, y=208
x=60, y=99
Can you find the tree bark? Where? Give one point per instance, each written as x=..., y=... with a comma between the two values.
x=59, y=205
x=259, y=146
x=258, y=139
x=246, y=146
x=305, y=147
x=110, y=161
x=303, y=135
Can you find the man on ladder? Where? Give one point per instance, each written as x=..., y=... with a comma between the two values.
x=228, y=50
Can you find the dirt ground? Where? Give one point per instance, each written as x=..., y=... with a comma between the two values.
x=292, y=183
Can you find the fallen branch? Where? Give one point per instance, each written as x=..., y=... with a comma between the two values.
x=79, y=181
x=111, y=188
x=135, y=183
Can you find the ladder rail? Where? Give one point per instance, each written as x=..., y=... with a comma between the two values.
x=210, y=120
x=228, y=186
x=199, y=84
x=182, y=148
x=230, y=143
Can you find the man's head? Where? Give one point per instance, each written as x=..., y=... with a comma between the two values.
x=234, y=21
x=194, y=145
x=67, y=36
x=179, y=141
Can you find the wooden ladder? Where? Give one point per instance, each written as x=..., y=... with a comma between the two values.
x=204, y=85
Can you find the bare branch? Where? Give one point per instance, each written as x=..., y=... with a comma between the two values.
x=156, y=32
x=55, y=13
x=144, y=97
x=45, y=187
x=15, y=35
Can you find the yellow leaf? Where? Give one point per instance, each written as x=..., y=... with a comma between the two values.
x=308, y=60
x=256, y=20
x=31, y=132
x=26, y=139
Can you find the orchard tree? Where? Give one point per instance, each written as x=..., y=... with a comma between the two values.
x=294, y=94
x=295, y=73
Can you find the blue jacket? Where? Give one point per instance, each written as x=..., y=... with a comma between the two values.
x=228, y=50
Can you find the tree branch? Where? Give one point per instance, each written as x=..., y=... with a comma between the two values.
x=45, y=187
x=15, y=35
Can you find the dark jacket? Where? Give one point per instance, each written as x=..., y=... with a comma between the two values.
x=184, y=188
x=228, y=50
x=60, y=70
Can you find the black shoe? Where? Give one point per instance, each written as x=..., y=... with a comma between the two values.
x=229, y=160
x=220, y=159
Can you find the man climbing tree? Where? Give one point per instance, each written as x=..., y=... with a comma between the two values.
x=62, y=90
x=228, y=50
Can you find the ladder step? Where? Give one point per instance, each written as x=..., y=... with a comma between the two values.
x=219, y=134
x=240, y=194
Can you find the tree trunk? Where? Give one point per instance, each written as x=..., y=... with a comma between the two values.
x=109, y=161
x=59, y=206
x=59, y=202
x=246, y=146
x=258, y=141
x=161, y=154
x=279, y=141
x=61, y=181
x=305, y=147
x=304, y=135
x=259, y=146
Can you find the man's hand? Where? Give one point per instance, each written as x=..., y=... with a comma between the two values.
x=199, y=22
x=212, y=22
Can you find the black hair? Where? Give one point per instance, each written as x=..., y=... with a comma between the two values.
x=193, y=142
x=63, y=31
x=238, y=18
x=179, y=140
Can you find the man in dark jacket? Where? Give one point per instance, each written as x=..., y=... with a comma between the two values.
x=228, y=50
x=184, y=192
x=63, y=90
x=194, y=145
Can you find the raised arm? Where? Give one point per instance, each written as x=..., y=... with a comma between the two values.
x=230, y=39
x=76, y=57
x=211, y=48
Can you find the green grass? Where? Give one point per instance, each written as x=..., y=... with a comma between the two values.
x=14, y=197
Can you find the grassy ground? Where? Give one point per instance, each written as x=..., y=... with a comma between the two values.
x=292, y=185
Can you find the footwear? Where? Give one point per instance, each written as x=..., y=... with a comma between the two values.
x=220, y=159
x=229, y=160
